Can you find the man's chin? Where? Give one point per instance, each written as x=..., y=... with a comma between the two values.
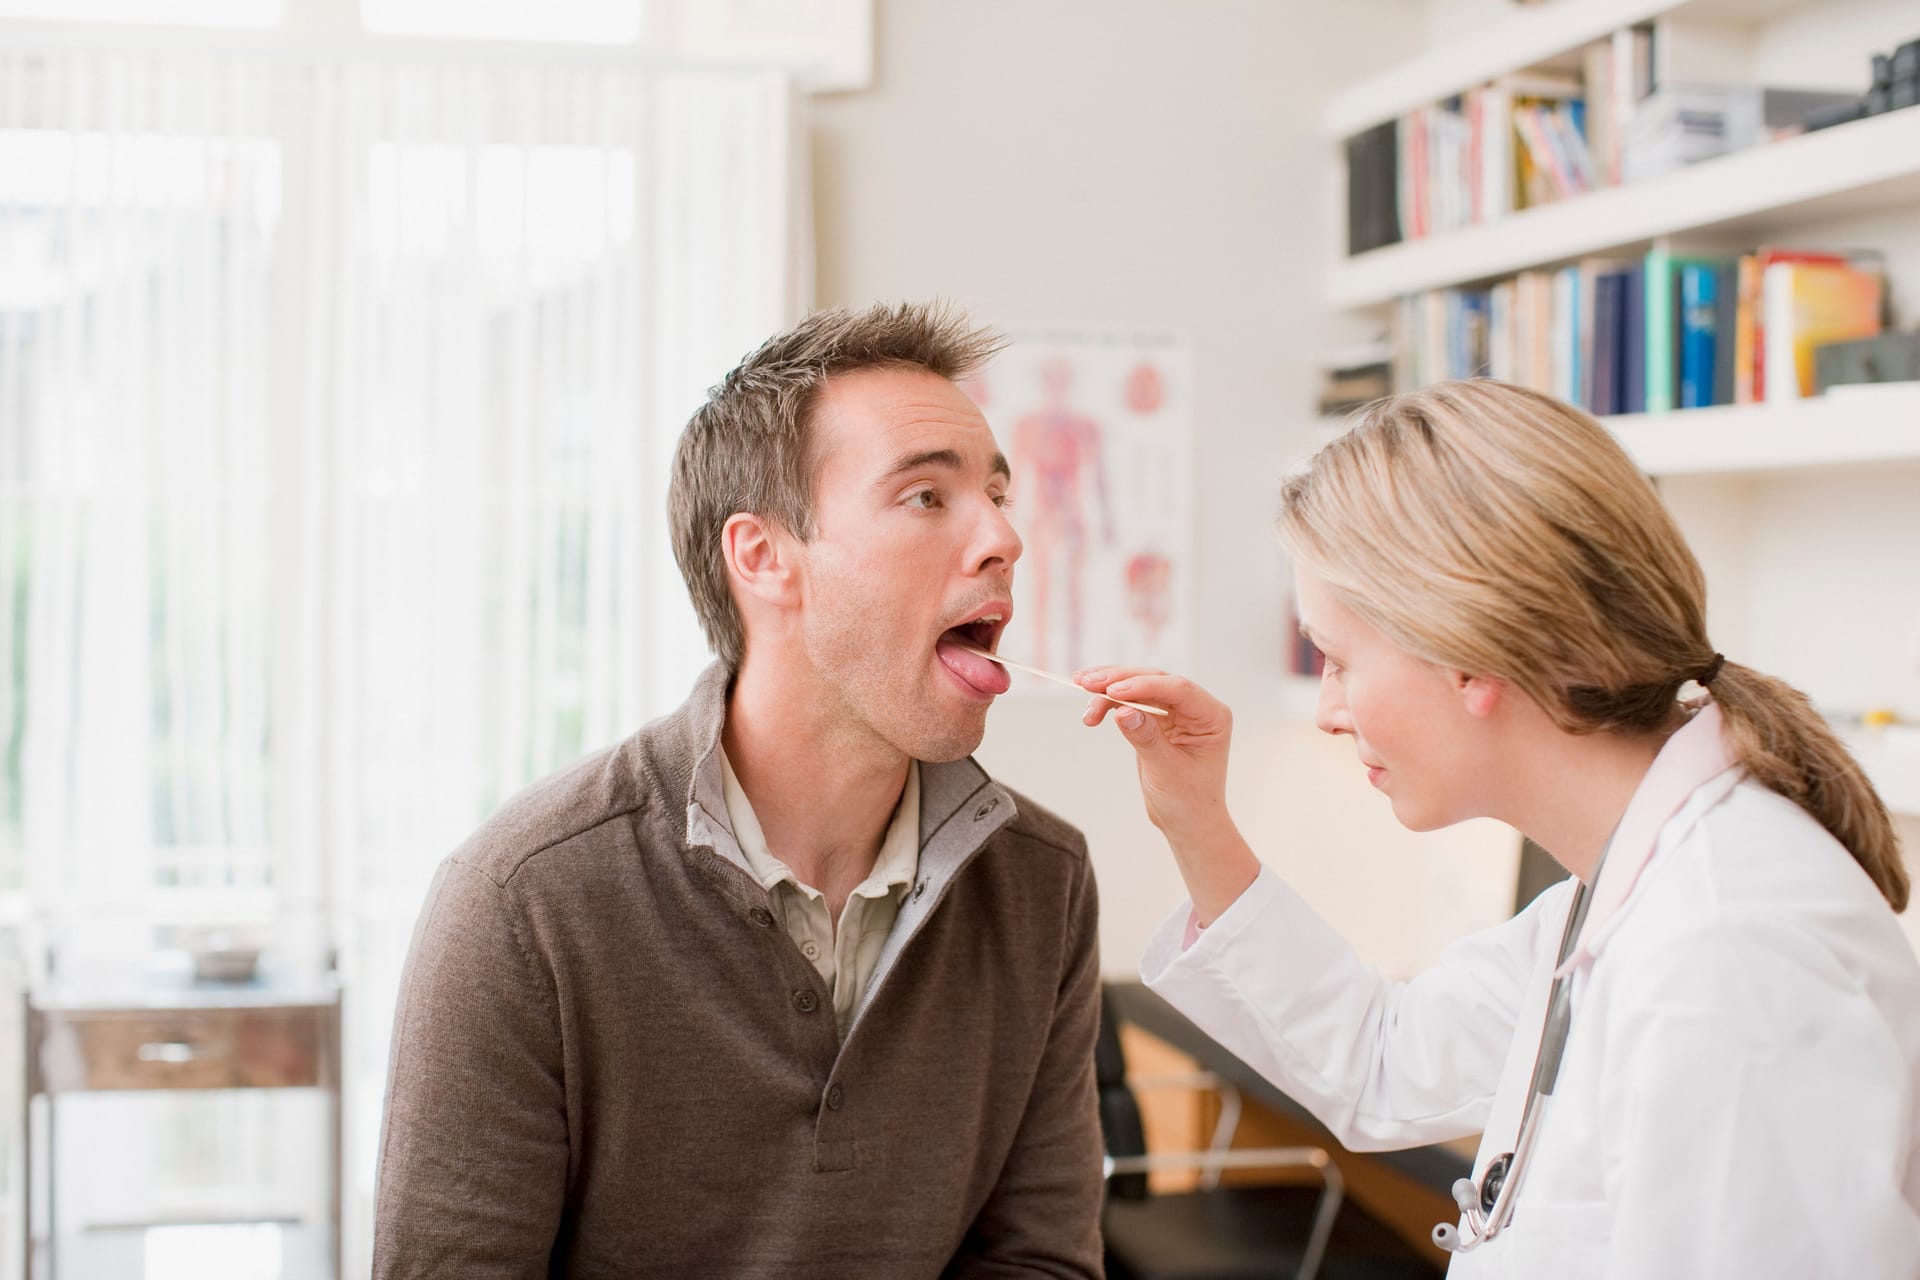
x=955, y=739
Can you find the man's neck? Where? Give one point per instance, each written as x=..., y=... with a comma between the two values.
x=823, y=794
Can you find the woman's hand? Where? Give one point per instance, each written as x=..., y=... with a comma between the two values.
x=1182, y=759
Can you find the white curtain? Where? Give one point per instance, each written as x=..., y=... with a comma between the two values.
x=335, y=403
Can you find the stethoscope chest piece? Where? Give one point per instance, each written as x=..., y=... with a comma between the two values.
x=1492, y=1180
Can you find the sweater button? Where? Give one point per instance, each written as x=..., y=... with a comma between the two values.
x=762, y=917
x=805, y=1001
x=836, y=1096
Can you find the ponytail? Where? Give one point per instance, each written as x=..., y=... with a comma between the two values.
x=1788, y=747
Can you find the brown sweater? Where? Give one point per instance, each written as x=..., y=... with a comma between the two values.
x=609, y=1060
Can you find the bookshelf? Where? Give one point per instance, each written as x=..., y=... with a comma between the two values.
x=1802, y=514
x=1524, y=38
x=1866, y=429
x=1832, y=434
x=1869, y=165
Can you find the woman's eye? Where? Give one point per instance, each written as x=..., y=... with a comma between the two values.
x=1004, y=501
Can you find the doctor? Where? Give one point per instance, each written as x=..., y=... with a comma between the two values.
x=1509, y=618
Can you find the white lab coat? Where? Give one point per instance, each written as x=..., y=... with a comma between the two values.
x=1740, y=1094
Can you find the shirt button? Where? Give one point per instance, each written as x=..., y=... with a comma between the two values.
x=835, y=1097
x=762, y=917
x=811, y=951
x=805, y=1001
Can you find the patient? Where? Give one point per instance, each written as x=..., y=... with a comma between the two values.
x=784, y=985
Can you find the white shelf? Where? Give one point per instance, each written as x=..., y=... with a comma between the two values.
x=1891, y=758
x=1525, y=38
x=1850, y=168
x=1871, y=427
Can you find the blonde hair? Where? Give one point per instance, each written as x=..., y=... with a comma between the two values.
x=1492, y=529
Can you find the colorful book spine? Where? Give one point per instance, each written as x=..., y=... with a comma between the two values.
x=1633, y=344
x=1746, y=320
x=1658, y=269
x=1806, y=305
x=1698, y=333
x=1726, y=301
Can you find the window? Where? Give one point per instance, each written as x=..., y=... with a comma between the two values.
x=186, y=13
x=583, y=21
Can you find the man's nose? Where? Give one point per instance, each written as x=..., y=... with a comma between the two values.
x=999, y=543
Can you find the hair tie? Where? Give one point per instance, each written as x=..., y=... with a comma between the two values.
x=1712, y=670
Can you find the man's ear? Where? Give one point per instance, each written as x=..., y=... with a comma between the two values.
x=1480, y=695
x=759, y=557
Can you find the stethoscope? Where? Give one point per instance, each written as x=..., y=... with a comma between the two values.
x=1488, y=1207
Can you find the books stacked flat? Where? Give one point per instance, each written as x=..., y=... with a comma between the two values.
x=1683, y=124
x=1355, y=376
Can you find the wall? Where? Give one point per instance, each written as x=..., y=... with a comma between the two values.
x=1152, y=163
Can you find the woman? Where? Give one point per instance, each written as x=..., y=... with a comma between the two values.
x=1510, y=618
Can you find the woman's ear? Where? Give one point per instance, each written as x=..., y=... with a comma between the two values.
x=758, y=556
x=1480, y=695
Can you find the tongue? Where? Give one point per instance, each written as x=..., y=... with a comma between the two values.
x=982, y=674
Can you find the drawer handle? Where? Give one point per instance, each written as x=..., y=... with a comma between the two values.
x=175, y=1051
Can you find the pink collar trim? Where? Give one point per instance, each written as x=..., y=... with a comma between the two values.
x=1692, y=757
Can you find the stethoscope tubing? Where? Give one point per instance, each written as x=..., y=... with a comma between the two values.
x=1483, y=1222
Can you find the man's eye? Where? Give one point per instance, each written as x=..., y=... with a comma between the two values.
x=924, y=499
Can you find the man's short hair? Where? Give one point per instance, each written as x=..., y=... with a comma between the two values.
x=749, y=447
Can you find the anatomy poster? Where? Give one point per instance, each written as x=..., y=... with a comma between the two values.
x=1098, y=425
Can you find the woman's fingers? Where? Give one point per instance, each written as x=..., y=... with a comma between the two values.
x=1193, y=711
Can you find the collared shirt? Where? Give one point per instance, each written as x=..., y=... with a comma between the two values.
x=846, y=957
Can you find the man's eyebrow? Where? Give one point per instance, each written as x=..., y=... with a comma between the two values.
x=950, y=459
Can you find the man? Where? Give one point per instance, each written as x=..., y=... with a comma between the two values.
x=784, y=985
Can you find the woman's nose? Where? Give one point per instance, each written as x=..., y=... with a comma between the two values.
x=1330, y=713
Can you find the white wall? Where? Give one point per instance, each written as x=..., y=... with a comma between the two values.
x=1155, y=163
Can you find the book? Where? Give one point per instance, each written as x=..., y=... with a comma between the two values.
x=1496, y=171
x=1764, y=258
x=1608, y=318
x=1807, y=305
x=1566, y=334
x=1633, y=343
x=1726, y=298
x=1745, y=326
x=1373, y=162
x=1699, y=324
x=1598, y=79
x=1658, y=270
x=1592, y=325
x=1663, y=326
x=1571, y=120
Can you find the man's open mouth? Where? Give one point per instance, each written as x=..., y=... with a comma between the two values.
x=983, y=632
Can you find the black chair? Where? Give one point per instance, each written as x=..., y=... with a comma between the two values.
x=1232, y=1232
